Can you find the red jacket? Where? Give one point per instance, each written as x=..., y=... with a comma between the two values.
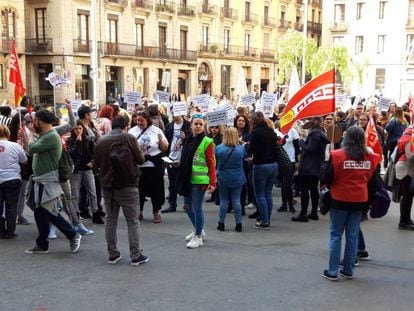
x=350, y=182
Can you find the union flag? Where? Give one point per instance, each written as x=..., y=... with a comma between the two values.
x=372, y=137
x=315, y=98
x=16, y=77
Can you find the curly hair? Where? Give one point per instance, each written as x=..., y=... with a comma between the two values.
x=106, y=112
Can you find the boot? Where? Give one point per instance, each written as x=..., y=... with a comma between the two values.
x=238, y=228
x=300, y=218
x=96, y=219
x=2, y=227
x=220, y=226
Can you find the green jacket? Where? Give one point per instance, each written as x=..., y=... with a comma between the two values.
x=199, y=172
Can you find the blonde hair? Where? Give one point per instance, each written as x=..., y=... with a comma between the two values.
x=4, y=131
x=270, y=123
x=231, y=136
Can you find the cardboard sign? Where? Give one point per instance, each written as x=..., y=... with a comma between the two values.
x=201, y=101
x=384, y=103
x=218, y=117
x=248, y=100
x=54, y=79
x=163, y=97
x=132, y=97
x=180, y=109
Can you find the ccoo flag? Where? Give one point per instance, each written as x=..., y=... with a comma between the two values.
x=316, y=98
x=372, y=137
x=16, y=77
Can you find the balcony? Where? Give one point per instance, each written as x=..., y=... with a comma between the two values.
x=131, y=50
x=123, y=3
x=250, y=18
x=299, y=26
x=208, y=9
x=146, y=5
x=228, y=13
x=229, y=51
x=166, y=7
x=338, y=27
x=39, y=46
x=6, y=46
x=315, y=27
x=267, y=55
x=81, y=46
x=269, y=22
x=186, y=10
x=284, y=25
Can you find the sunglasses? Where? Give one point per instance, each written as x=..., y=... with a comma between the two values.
x=214, y=127
x=197, y=116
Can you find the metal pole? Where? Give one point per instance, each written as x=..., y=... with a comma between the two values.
x=94, y=55
x=305, y=36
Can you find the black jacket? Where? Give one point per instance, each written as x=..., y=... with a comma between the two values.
x=81, y=152
x=313, y=152
x=262, y=145
x=169, y=132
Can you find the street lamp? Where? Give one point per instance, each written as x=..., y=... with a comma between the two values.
x=305, y=36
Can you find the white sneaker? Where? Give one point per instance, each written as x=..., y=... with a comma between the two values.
x=250, y=206
x=195, y=242
x=192, y=234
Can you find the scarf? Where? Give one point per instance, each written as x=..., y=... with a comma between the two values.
x=186, y=163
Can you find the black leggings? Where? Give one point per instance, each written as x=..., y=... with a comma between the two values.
x=406, y=201
x=309, y=184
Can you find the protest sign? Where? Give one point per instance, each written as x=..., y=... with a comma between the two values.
x=248, y=100
x=180, y=109
x=218, y=117
x=384, y=103
x=132, y=97
x=201, y=101
x=163, y=97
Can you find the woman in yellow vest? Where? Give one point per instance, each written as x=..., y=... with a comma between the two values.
x=196, y=176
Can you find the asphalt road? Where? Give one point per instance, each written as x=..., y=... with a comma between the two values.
x=278, y=269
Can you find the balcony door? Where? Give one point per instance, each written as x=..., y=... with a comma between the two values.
x=162, y=39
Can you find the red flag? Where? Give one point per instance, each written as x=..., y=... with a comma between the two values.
x=316, y=98
x=16, y=77
x=372, y=137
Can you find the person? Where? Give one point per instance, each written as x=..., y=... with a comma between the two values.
x=104, y=120
x=175, y=132
x=196, y=176
x=152, y=142
x=404, y=170
x=126, y=197
x=312, y=158
x=394, y=130
x=230, y=176
x=215, y=132
x=155, y=115
x=350, y=174
x=45, y=189
x=265, y=149
x=5, y=115
x=11, y=156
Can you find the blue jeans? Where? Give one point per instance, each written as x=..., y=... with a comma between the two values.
x=227, y=193
x=264, y=177
x=194, y=208
x=361, y=242
x=349, y=221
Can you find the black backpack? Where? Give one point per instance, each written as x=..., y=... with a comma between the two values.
x=65, y=166
x=125, y=172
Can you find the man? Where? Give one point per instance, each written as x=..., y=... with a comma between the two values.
x=46, y=189
x=126, y=197
x=358, y=111
x=175, y=132
x=91, y=187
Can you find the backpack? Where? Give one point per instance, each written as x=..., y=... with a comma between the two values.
x=65, y=166
x=125, y=172
x=381, y=200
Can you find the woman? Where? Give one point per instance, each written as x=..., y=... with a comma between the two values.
x=404, y=173
x=11, y=156
x=230, y=176
x=196, y=176
x=312, y=158
x=215, y=132
x=350, y=173
x=104, y=121
x=395, y=129
x=153, y=143
x=265, y=150
x=156, y=118
x=81, y=148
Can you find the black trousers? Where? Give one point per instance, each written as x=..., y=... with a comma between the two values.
x=287, y=191
x=9, y=195
x=406, y=201
x=309, y=184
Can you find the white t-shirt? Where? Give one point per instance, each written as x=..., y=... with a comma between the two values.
x=288, y=146
x=11, y=154
x=148, y=141
x=176, y=143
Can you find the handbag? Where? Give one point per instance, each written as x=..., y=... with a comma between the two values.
x=325, y=199
x=381, y=201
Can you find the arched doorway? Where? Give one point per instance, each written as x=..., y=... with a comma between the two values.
x=205, y=78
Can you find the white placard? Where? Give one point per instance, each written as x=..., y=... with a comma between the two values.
x=212, y=104
x=163, y=97
x=384, y=103
x=54, y=79
x=201, y=101
x=218, y=117
x=132, y=97
x=227, y=107
x=130, y=107
x=340, y=99
x=75, y=104
x=268, y=99
x=248, y=100
x=180, y=109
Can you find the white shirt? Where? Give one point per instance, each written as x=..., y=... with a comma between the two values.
x=148, y=142
x=11, y=154
x=176, y=143
x=288, y=146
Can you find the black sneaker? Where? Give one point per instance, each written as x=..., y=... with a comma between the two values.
x=220, y=226
x=356, y=264
x=292, y=209
x=74, y=243
x=329, y=277
x=363, y=255
x=114, y=260
x=85, y=216
x=169, y=210
x=262, y=226
x=36, y=250
x=101, y=213
x=345, y=275
x=300, y=218
x=96, y=219
x=282, y=209
x=140, y=260
x=313, y=216
x=408, y=227
x=239, y=228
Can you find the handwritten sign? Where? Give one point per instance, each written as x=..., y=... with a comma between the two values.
x=163, y=97
x=201, y=101
x=384, y=103
x=266, y=104
x=218, y=117
x=132, y=97
x=180, y=109
x=248, y=100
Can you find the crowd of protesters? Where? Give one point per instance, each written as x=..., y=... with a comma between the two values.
x=238, y=165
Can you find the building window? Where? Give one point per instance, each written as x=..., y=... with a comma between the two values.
x=139, y=34
x=359, y=10
x=2, y=86
x=225, y=80
x=247, y=11
x=204, y=36
x=183, y=39
x=339, y=13
x=246, y=43
x=338, y=40
x=381, y=9
x=9, y=25
x=83, y=28
x=40, y=16
x=266, y=15
x=226, y=40
x=359, y=44
x=265, y=41
x=379, y=78
x=381, y=44
x=112, y=29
